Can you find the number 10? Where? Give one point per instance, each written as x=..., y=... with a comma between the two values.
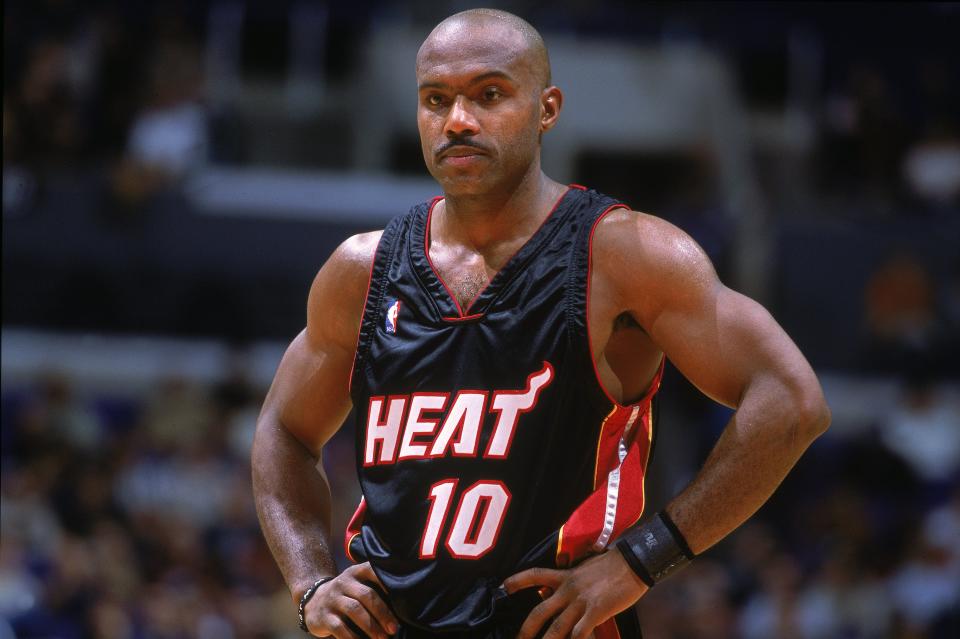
x=476, y=523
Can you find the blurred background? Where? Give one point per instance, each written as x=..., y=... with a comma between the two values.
x=174, y=174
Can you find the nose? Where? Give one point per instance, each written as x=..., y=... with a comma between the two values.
x=460, y=121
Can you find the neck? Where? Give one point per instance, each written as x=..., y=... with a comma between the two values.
x=487, y=219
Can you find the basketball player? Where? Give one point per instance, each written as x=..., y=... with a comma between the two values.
x=502, y=345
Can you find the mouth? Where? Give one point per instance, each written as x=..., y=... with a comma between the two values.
x=460, y=152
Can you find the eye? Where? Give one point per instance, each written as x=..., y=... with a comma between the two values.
x=434, y=99
x=492, y=94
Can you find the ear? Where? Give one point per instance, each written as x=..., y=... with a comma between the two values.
x=551, y=101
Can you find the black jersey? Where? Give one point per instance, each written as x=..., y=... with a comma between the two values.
x=485, y=442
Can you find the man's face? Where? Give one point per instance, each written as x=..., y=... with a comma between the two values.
x=479, y=110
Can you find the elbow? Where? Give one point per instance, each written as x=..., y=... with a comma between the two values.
x=812, y=413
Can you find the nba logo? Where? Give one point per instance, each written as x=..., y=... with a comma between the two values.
x=393, y=313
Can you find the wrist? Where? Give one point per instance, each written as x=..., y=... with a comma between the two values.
x=655, y=550
x=305, y=599
x=300, y=588
x=624, y=575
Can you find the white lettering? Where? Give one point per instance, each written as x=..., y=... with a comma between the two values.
x=510, y=404
x=384, y=433
x=416, y=425
x=465, y=416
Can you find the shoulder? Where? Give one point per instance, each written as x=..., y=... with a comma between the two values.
x=646, y=239
x=349, y=264
x=644, y=256
x=355, y=254
x=339, y=290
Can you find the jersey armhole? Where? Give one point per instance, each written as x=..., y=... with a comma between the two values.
x=655, y=382
x=376, y=285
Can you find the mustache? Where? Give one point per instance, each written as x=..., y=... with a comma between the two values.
x=460, y=141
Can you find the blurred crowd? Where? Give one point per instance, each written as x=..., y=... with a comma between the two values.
x=125, y=87
x=129, y=520
x=912, y=320
x=893, y=135
x=130, y=516
x=104, y=90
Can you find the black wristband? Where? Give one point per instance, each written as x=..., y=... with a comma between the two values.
x=311, y=591
x=677, y=535
x=634, y=562
x=655, y=550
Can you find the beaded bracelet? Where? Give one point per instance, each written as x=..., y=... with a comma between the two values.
x=311, y=591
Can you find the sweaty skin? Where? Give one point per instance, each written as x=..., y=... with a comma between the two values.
x=485, y=101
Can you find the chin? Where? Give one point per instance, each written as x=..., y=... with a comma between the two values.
x=464, y=185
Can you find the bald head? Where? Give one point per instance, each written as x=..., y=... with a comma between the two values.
x=511, y=33
x=485, y=100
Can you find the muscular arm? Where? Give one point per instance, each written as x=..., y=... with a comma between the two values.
x=732, y=350
x=306, y=405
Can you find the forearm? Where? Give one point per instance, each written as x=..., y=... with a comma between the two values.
x=293, y=504
x=763, y=440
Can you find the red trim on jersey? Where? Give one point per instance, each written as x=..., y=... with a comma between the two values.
x=582, y=530
x=465, y=318
x=607, y=630
x=443, y=516
x=387, y=402
x=366, y=296
x=655, y=384
x=473, y=532
x=426, y=249
x=485, y=513
x=547, y=368
x=353, y=528
x=646, y=461
x=419, y=419
x=578, y=186
x=608, y=443
x=459, y=428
